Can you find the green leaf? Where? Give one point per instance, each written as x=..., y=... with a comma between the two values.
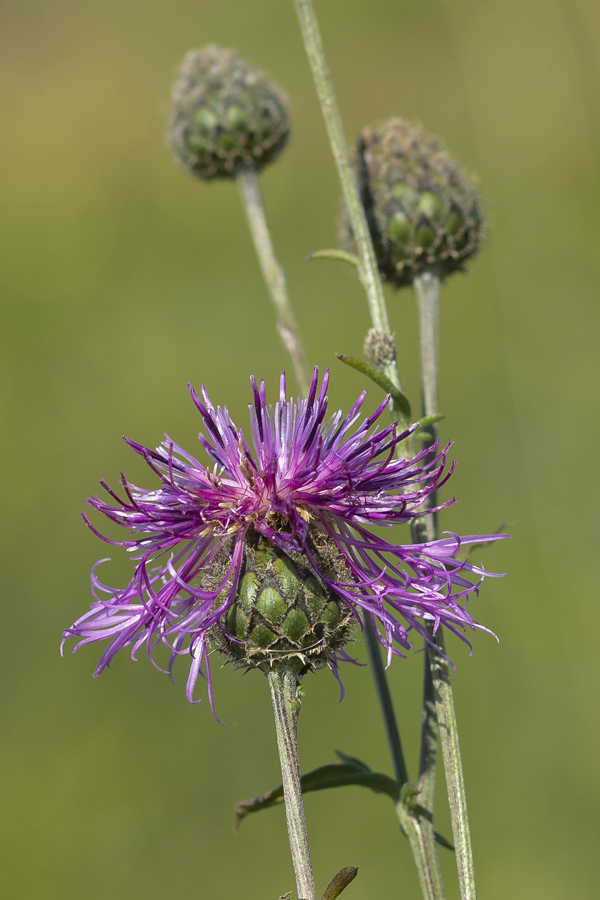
x=351, y=771
x=330, y=776
x=340, y=882
x=441, y=840
x=430, y=420
x=353, y=761
x=400, y=400
x=342, y=255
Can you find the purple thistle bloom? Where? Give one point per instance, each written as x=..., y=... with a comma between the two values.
x=308, y=480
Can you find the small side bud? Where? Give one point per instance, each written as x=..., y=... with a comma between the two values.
x=225, y=114
x=423, y=211
x=380, y=348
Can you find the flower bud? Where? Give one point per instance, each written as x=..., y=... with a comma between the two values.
x=282, y=610
x=423, y=211
x=225, y=114
x=380, y=347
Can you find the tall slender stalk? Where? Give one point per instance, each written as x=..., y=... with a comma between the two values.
x=287, y=326
x=385, y=701
x=427, y=289
x=429, y=739
x=368, y=271
x=284, y=690
x=453, y=769
x=419, y=830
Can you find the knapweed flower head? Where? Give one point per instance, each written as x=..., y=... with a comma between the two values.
x=268, y=554
x=225, y=114
x=423, y=210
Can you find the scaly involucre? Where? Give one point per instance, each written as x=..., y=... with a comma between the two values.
x=305, y=473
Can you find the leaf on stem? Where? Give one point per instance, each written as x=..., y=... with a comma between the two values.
x=442, y=841
x=330, y=776
x=399, y=399
x=351, y=771
x=430, y=420
x=342, y=255
x=340, y=882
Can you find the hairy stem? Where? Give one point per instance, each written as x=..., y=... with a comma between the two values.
x=287, y=326
x=368, y=271
x=284, y=694
x=453, y=768
x=418, y=829
x=427, y=289
x=428, y=869
x=415, y=819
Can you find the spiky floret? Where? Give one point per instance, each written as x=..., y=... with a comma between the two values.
x=273, y=540
x=422, y=209
x=225, y=114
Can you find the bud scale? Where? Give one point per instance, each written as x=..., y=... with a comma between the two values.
x=283, y=610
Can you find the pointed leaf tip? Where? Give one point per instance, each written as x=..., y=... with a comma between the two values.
x=351, y=773
x=340, y=882
x=442, y=841
x=399, y=399
x=353, y=761
x=342, y=255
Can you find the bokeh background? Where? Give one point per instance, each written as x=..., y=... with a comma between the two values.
x=121, y=279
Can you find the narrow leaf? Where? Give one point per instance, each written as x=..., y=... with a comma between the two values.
x=442, y=841
x=342, y=255
x=330, y=776
x=430, y=420
x=400, y=400
x=353, y=761
x=340, y=882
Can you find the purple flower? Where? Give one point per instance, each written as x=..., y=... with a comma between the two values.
x=309, y=483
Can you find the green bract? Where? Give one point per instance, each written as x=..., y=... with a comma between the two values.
x=225, y=114
x=423, y=211
x=282, y=610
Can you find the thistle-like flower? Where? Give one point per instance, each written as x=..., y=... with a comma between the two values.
x=225, y=114
x=269, y=555
x=423, y=211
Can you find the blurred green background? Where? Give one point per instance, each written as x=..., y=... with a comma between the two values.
x=121, y=279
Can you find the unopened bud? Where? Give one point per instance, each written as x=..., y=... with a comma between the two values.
x=380, y=347
x=225, y=114
x=423, y=211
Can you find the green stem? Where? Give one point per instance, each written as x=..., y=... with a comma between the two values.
x=385, y=701
x=429, y=739
x=284, y=694
x=427, y=290
x=412, y=814
x=368, y=271
x=417, y=829
x=428, y=868
x=287, y=326
x=453, y=768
